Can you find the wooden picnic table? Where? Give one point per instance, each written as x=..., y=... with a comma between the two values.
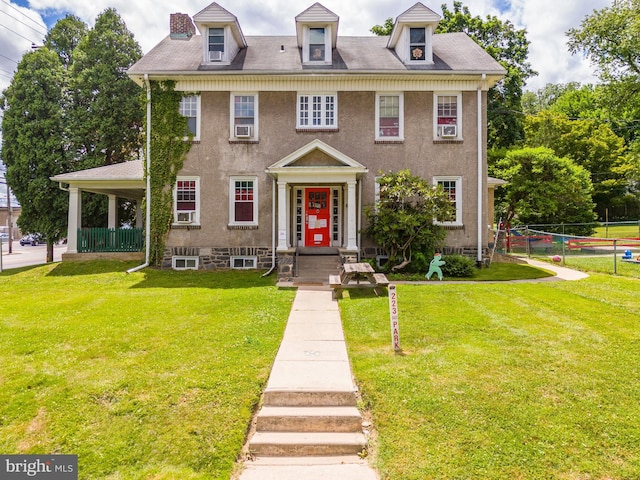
x=357, y=275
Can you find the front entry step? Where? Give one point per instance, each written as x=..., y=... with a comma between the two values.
x=300, y=444
x=309, y=419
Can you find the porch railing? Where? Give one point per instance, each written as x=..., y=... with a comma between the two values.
x=91, y=240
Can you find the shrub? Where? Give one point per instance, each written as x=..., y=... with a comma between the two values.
x=458, y=266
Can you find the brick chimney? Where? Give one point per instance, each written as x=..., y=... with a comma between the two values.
x=181, y=27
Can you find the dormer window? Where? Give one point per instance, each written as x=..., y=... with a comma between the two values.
x=216, y=44
x=417, y=44
x=317, y=34
x=316, y=45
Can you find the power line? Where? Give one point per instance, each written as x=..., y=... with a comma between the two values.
x=39, y=32
x=20, y=35
x=23, y=14
x=10, y=59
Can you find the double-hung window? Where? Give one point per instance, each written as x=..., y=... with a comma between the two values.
x=243, y=201
x=447, y=115
x=215, y=44
x=317, y=111
x=244, y=121
x=452, y=186
x=190, y=108
x=417, y=44
x=316, y=44
x=186, y=196
x=389, y=116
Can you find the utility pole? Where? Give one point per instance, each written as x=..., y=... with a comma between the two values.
x=9, y=215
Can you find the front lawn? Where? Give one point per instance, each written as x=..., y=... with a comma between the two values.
x=150, y=375
x=502, y=381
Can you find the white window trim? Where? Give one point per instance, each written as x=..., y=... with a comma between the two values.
x=196, y=220
x=428, y=46
x=196, y=137
x=174, y=260
x=225, y=53
x=232, y=187
x=458, y=95
x=244, y=257
x=327, y=45
x=458, y=179
x=318, y=127
x=400, y=96
x=232, y=129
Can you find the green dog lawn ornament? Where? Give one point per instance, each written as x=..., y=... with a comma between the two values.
x=434, y=266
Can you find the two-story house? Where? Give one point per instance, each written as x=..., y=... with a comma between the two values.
x=290, y=133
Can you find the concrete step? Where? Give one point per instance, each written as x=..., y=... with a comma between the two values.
x=309, y=419
x=289, y=444
x=307, y=398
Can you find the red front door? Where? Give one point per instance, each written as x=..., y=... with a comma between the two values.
x=317, y=217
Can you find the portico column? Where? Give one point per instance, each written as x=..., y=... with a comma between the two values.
x=75, y=219
x=282, y=216
x=352, y=239
x=113, y=211
x=139, y=212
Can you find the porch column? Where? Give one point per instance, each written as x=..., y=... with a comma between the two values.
x=75, y=219
x=139, y=214
x=282, y=216
x=113, y=211
x=352, y=239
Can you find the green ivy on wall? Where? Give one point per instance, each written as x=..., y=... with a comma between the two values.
x=168, y=151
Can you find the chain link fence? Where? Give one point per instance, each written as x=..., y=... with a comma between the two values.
x=613, y=244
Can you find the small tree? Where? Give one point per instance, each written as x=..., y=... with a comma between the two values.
x=546, y=189
x=402, y=221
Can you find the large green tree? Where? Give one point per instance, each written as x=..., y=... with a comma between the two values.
x=105, y=116
x=589, y=143
x=610, y=38
x=64, y=37
x=33, y=144
x=544, y=188
x=510, y=47
x=402, y=221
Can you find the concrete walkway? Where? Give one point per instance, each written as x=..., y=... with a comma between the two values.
x=312, y=359
x=562, y=273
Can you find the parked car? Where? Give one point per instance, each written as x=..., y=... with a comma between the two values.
x=4, y=237
x=31, y=240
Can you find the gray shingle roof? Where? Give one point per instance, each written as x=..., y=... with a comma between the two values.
x=453, y=52
x=131, y=170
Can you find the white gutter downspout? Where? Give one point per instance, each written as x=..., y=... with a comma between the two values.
x=273, y=228
x=480, y=170
x=148, y=175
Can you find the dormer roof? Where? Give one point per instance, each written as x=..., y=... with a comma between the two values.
x=418, y=15
x=215, y=15
x=317, y=15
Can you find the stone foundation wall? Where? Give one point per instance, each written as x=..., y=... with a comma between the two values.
x=212, y=258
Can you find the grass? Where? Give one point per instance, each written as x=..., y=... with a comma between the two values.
x=502, y=381
x=149, y=375
x=618, y=231
x=601, y=264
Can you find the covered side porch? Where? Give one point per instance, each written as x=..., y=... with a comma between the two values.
x=122, y=180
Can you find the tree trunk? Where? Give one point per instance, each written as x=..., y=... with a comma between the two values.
x=49, y=252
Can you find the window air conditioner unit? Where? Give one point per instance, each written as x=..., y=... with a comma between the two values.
x=244, y=131
x=186, y=216
x=215, y=56
x=449, y=131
